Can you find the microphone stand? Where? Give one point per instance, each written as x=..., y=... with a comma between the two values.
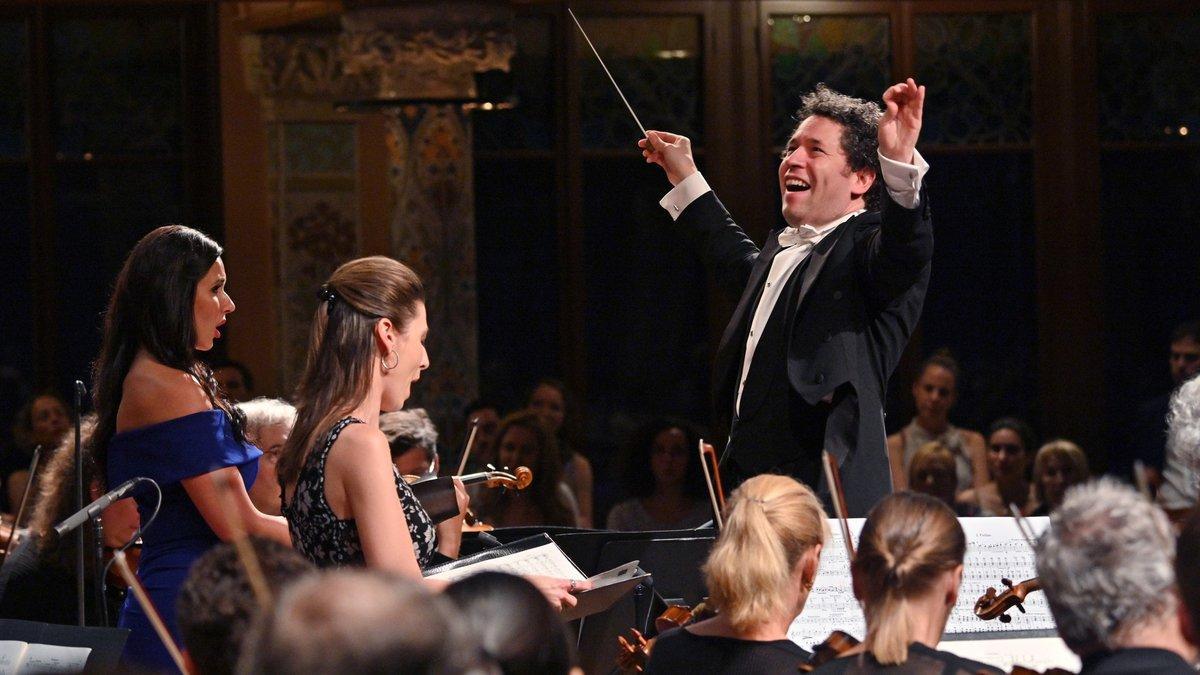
x=80, y=584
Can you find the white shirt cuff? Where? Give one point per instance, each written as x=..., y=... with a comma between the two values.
x=682, y=195
x=903, y=180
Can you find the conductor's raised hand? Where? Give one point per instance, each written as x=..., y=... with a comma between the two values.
x=670, y=151
x=901, y=123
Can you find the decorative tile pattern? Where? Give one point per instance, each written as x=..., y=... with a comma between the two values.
x=978, y=70
x=851, y=54
x=1149, y=81
x=433, y=232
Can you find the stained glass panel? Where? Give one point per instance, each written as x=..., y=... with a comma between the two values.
x=657, y=62
x=977, y=68
x=851, y=54
x=531, y=123
x=1148, y=74
x=14, y=87
x=118, y=85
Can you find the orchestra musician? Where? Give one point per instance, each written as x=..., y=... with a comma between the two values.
x=829, y=302
x=906, y=574
x=345, y=502
x=1105, y=563
x=160, y=414
x=759, y=574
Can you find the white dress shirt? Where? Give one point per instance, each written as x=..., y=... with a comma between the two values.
x=903, y=182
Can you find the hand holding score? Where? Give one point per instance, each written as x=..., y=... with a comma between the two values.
x=670, y=151
x=559, y=592
x=901, y=123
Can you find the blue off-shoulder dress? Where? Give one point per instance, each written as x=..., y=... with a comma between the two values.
x=168, y=452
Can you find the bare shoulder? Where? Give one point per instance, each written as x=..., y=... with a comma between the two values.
x=359, y=450
x=582, y=465
x=895, y=442
x=154, y=393
x=974, y=439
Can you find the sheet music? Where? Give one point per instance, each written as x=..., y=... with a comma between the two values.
x=995, y=549
x=1041, y=653
x=19, y=657
x=547, y=560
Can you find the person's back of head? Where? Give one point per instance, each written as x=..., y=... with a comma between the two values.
x=360, y=621
x=932, y=471
x=909, y=543
x=771, y=524
x=518, y=630
x=217, y=601
x=1105, y=564
x=410, y=428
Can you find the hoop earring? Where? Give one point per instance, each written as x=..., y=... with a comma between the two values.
x=384, y=362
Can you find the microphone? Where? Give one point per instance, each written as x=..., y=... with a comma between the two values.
x=92, y=510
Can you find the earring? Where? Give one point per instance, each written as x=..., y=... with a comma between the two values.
x=385, y=365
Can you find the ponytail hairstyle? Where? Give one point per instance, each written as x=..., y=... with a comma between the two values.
x=342, y=350
x=770, y=523
x=909, y=540
x=153, y=308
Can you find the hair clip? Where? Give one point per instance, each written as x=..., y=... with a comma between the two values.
x=327, y=294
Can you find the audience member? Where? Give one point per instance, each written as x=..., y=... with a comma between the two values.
x=934, y=393
x=518, y=631
x=1057, y=466
x=1105, y=563
x=550, y=400
x=483, y=450
x=234, y=378
x=933, y=471
x=413, y=440
x=525, y=440
x=907, y=574
x=1148, y=438
x=217, y=602
x=268, y=423
x=42, y=422
x=664, y=481
x=366, y=622
x=759, y=574
x=1181, y=476
x=1010, y=446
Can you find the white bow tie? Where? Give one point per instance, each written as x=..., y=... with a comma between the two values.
x=790, y=236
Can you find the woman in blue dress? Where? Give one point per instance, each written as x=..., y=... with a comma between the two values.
x=161, y=415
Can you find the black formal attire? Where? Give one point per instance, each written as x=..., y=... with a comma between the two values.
x=679, y=651
x=922, y=660
x=820, y=369
x=1136, y=660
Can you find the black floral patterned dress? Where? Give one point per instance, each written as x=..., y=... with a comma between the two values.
x=330, y=541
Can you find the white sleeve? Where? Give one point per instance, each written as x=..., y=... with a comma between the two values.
x=903, y=181
x=680, y=196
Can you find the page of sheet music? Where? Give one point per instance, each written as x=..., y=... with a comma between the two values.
x=19, y=657
x=547, y=560
x=995, y=549
x=1039, y=653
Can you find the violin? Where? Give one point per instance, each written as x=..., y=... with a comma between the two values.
x=437, y=494
x=838, y=644
x=633, y=653
x=992, y=605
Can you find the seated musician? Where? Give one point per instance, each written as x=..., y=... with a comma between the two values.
x=217, y=602
x=413, y=439
x=525, y=440
x=1105, y=564
x=759, y=575
x=268, y=423
x=907, y=574
x=360, y=621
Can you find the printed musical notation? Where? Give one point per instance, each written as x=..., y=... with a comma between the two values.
x=995, y=549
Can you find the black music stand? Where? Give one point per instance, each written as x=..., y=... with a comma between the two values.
x=106, y=643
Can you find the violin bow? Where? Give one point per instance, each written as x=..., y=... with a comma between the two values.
x=1023, y=526
x=37, y=453
x=462, y=464
x=139, y=592
x=717, y=504
x=241, y=540
x=834, y=478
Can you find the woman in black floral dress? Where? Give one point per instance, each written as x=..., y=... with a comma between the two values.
x=344, y=500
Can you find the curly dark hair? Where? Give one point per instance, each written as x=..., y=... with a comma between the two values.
x=860, y=132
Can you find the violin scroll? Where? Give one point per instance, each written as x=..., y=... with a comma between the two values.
x=993, y=605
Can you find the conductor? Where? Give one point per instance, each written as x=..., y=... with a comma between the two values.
x=829, y=302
